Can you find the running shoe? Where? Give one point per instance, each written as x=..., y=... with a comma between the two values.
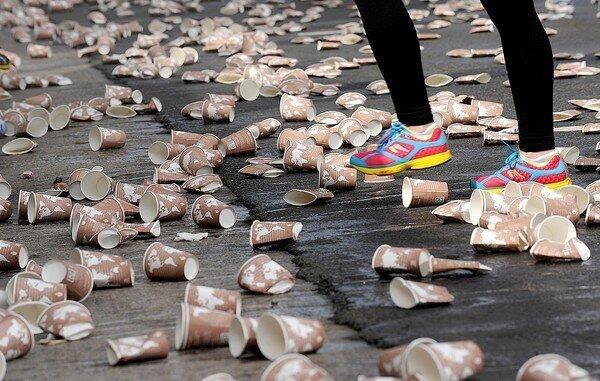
x=553, y=173
x=399, y=150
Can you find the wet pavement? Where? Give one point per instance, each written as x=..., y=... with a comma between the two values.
x=519, y=310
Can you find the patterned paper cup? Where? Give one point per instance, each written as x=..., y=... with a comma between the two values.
x=109, y=211
x=303, y=197
x=294, y=366
x=107, y=270
x=213, y=112
x=74, y=183
x=95, y=185
x=242, y=336
x=394, y=260
x=301, y=156
x=162, y=262
x=296, y=109
x=5, y=188
x=208, y=212
x=159, y=152
x=162, y=206
x=482, y=201
x=462, y=113
x=352, y=132
x=582, y=197
x=31, y=311
x=146, y=229
x=407, y=294
x=203, y=183
x=103, y=138
x=269, y=233
x=573, y=250
x=289, y=134
x=455, y=360
x=13, y=255
x=131, y=193
x=69, y=319
x=199, y=327
x=27, y=286
x=417, y=192
x=277, y=335
x=453, y=211
x=16, y=337
x=45, y=208
x=152, y=346
x=431, y=265
x=337, y=177
x=551, y=367
x=263, y=275
x=489, y=219
x=527, y=224
x=59, y=117
x=592, y=215
x=264, y=128
x=392, y=362
x=240, y=142
x=85, y=230
x=33, y=267
x=213, y=298
x=486, y=240
x=77, y=278
x=555, y=228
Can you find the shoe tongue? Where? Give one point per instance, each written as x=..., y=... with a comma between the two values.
x=538, y=161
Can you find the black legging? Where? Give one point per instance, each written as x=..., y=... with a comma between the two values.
x=527, y=52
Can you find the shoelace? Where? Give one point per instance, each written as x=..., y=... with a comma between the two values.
x=513, y=158
x=395, y=130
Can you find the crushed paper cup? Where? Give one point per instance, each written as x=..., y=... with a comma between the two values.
x=336, y=177
x=69, y=319
x=430, y=265
x=582, y=163
x=163, y=262
x=242, y=336
x=263, y=233
x=77, y=278
x=124, y=94
x=240, y=142
x=417, y=192
x=351, y=100
x=85, y=113
x=438, y=80
x=199, y=327
x=108, y=211
x=131, y=193
x=107, y=270
x=165, y=176
x=146, y=229
x=473, y=78
x=486, y=240
x=5, y=188
x=45, y=208
x=378, y=87
x=22, y=205
x=154, y=106
x=573, y=250
x=592, y=215
x=43, y=100
x=16, y=337
x=296, y=109
x=264, y=128
x=203, y=183
x=591, y=128
x=395, y=260
x=582, y=197
x=159, y=152
x=462, y=113
x=208, y=212
x=152, y=346
x=482, y=201
x=330, y=118
x=15, y=122
x=487, y=108
x=19, y=146
x=27, y=286
x=59, y=117
x=96, y=185
x=303, y=197
x=301, y=156
x=303, y=369
x=213, y=298
x=13, y=255
x=194, y=161
x=555, y=228
x=162, y=206
x=407, y=294
x=103, y=138
x=262, y=275
x=453, y=211
x=5, y=209
x=569, y=154
x=278, y=335
x=120, y=112
x=31, y=311
x=551, y=367
x=219, y=377
x=448, y=361
x=261, y=170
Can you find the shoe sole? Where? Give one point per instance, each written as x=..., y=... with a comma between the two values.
x=553, y=186
x=420, y=163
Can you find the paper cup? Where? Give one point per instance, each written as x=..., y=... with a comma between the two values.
x=45, y=208
x=208, y=212
x=24, y=287
x=482, y=201
x=550, y=367
x=304, y=197
x=107, y=270
x=301, y=156
x=456, y=360
x=203, y=183
x=199, y=327
x=392, y=362
x=242, y=336
x=336, y=177
x=239, y=143
x=162, y=206
x=486, y=240
x=573, y=250
x=304, y=369
x=278, y=335
x=264, y=128
x=453, y=211
x=555, y=228
x=13, y=255
x=104, y=138
x=77, y=278
x=430, y=265
x=269, y=233
x=17, y=337
x=213, y=298
x=394, y=260
x=159, y=152
x=417, y=192
x=296, y=109
x=95, y=185
x=162, y=262
x=31, y=311
x=407, y=294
